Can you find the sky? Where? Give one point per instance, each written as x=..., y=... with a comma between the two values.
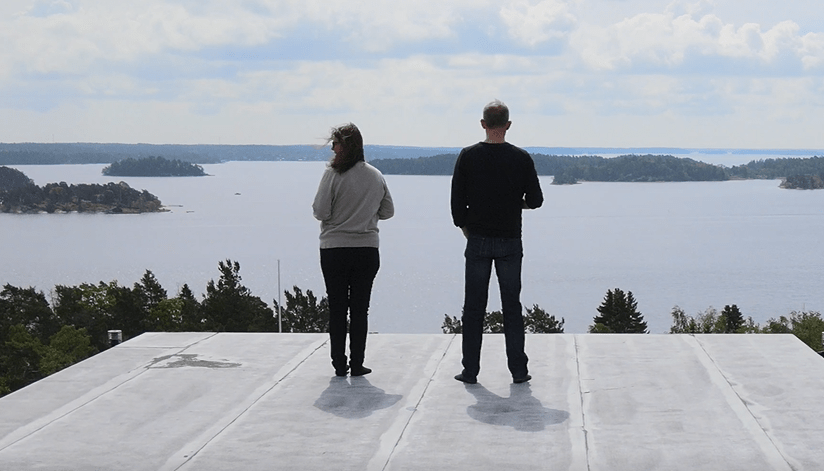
x=596, y=73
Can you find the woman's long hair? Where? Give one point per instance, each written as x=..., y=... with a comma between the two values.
x=349, y=137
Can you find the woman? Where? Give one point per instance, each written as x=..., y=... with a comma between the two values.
x=352, y=197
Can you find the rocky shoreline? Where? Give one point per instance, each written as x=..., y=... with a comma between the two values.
x=57, y=198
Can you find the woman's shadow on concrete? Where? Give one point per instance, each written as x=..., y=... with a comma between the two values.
x=354, y=398
x=520, y=410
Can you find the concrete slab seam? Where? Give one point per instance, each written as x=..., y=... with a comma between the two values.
x=30, y=429
x=178, y=462
x=581, y=397
x=739, y=406
x=198, y=342
x=378, y=462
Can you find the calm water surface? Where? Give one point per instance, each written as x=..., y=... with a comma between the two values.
x=694, y=245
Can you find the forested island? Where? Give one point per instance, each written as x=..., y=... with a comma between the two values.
x=19, y=195
x=804, y=182
x=797, y=172
x=153, y=167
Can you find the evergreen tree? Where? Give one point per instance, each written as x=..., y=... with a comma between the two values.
x=451, y=325
x=29, y=308
x=303, y=312
x=149, y=291
x=230, y=307
x=191, y=317
x=127, y=310
x=619, y=315
x=733, y=318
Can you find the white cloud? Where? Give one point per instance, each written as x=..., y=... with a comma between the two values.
x=415, y=72
x=534, y=23
x=665, y=41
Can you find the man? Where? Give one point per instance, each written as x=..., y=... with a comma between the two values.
x=492, y=182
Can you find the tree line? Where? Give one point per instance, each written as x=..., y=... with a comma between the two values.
x=153, y=167
x=39, y=337
x=625, y=168
x=618, y=314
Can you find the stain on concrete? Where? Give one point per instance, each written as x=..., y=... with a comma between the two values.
x=189, y=360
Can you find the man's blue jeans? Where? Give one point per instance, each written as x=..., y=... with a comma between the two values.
x=507, y=256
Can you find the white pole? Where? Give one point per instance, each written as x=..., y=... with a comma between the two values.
x=280, y=306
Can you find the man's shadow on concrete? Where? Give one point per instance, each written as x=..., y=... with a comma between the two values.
x=354, y=398
x=520, y=410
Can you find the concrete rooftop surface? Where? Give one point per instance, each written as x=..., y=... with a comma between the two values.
x=206, y=401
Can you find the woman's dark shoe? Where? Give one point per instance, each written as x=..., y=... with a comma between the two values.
x=521, y=379
x=360, y=371
x=466, y=378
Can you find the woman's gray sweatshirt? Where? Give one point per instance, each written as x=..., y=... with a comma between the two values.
x=349, y=206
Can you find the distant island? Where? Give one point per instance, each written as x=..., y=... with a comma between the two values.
x=19, y=195
x=798, y=172
x=153, y=167
x=804, y=182
x=567, y=165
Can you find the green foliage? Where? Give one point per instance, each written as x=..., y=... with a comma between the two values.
x=86, y=306
x=442, y=164
x=304, y=312
x=599, y=328
x=806, y=325
x=451, y=325
x=29, y=308
x=191, y=313
x=230, y=307
x=803, y=182
x=733, y=319
x=569, y=169
x=12, y=178
x=494, y=322
x=641, y=168
x=536, y=321
x=153, y=167
x=798, y=172
x=778, y=168
x=710, y=321
x=37, y=339
x=682, y=323
x=619, y=315
x=67, y=347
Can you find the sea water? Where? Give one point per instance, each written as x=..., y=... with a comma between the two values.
x=693, y=244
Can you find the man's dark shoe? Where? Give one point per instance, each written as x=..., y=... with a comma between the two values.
x=341, y=371
x=360, y=371
x=466, y=378
x=521, y=379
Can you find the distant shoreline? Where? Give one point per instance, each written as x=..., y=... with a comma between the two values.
x=100, y=153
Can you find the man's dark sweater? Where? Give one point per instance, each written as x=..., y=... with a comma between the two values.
x=490, y=184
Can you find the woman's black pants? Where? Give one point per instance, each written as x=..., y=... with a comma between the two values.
x=348, y=273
